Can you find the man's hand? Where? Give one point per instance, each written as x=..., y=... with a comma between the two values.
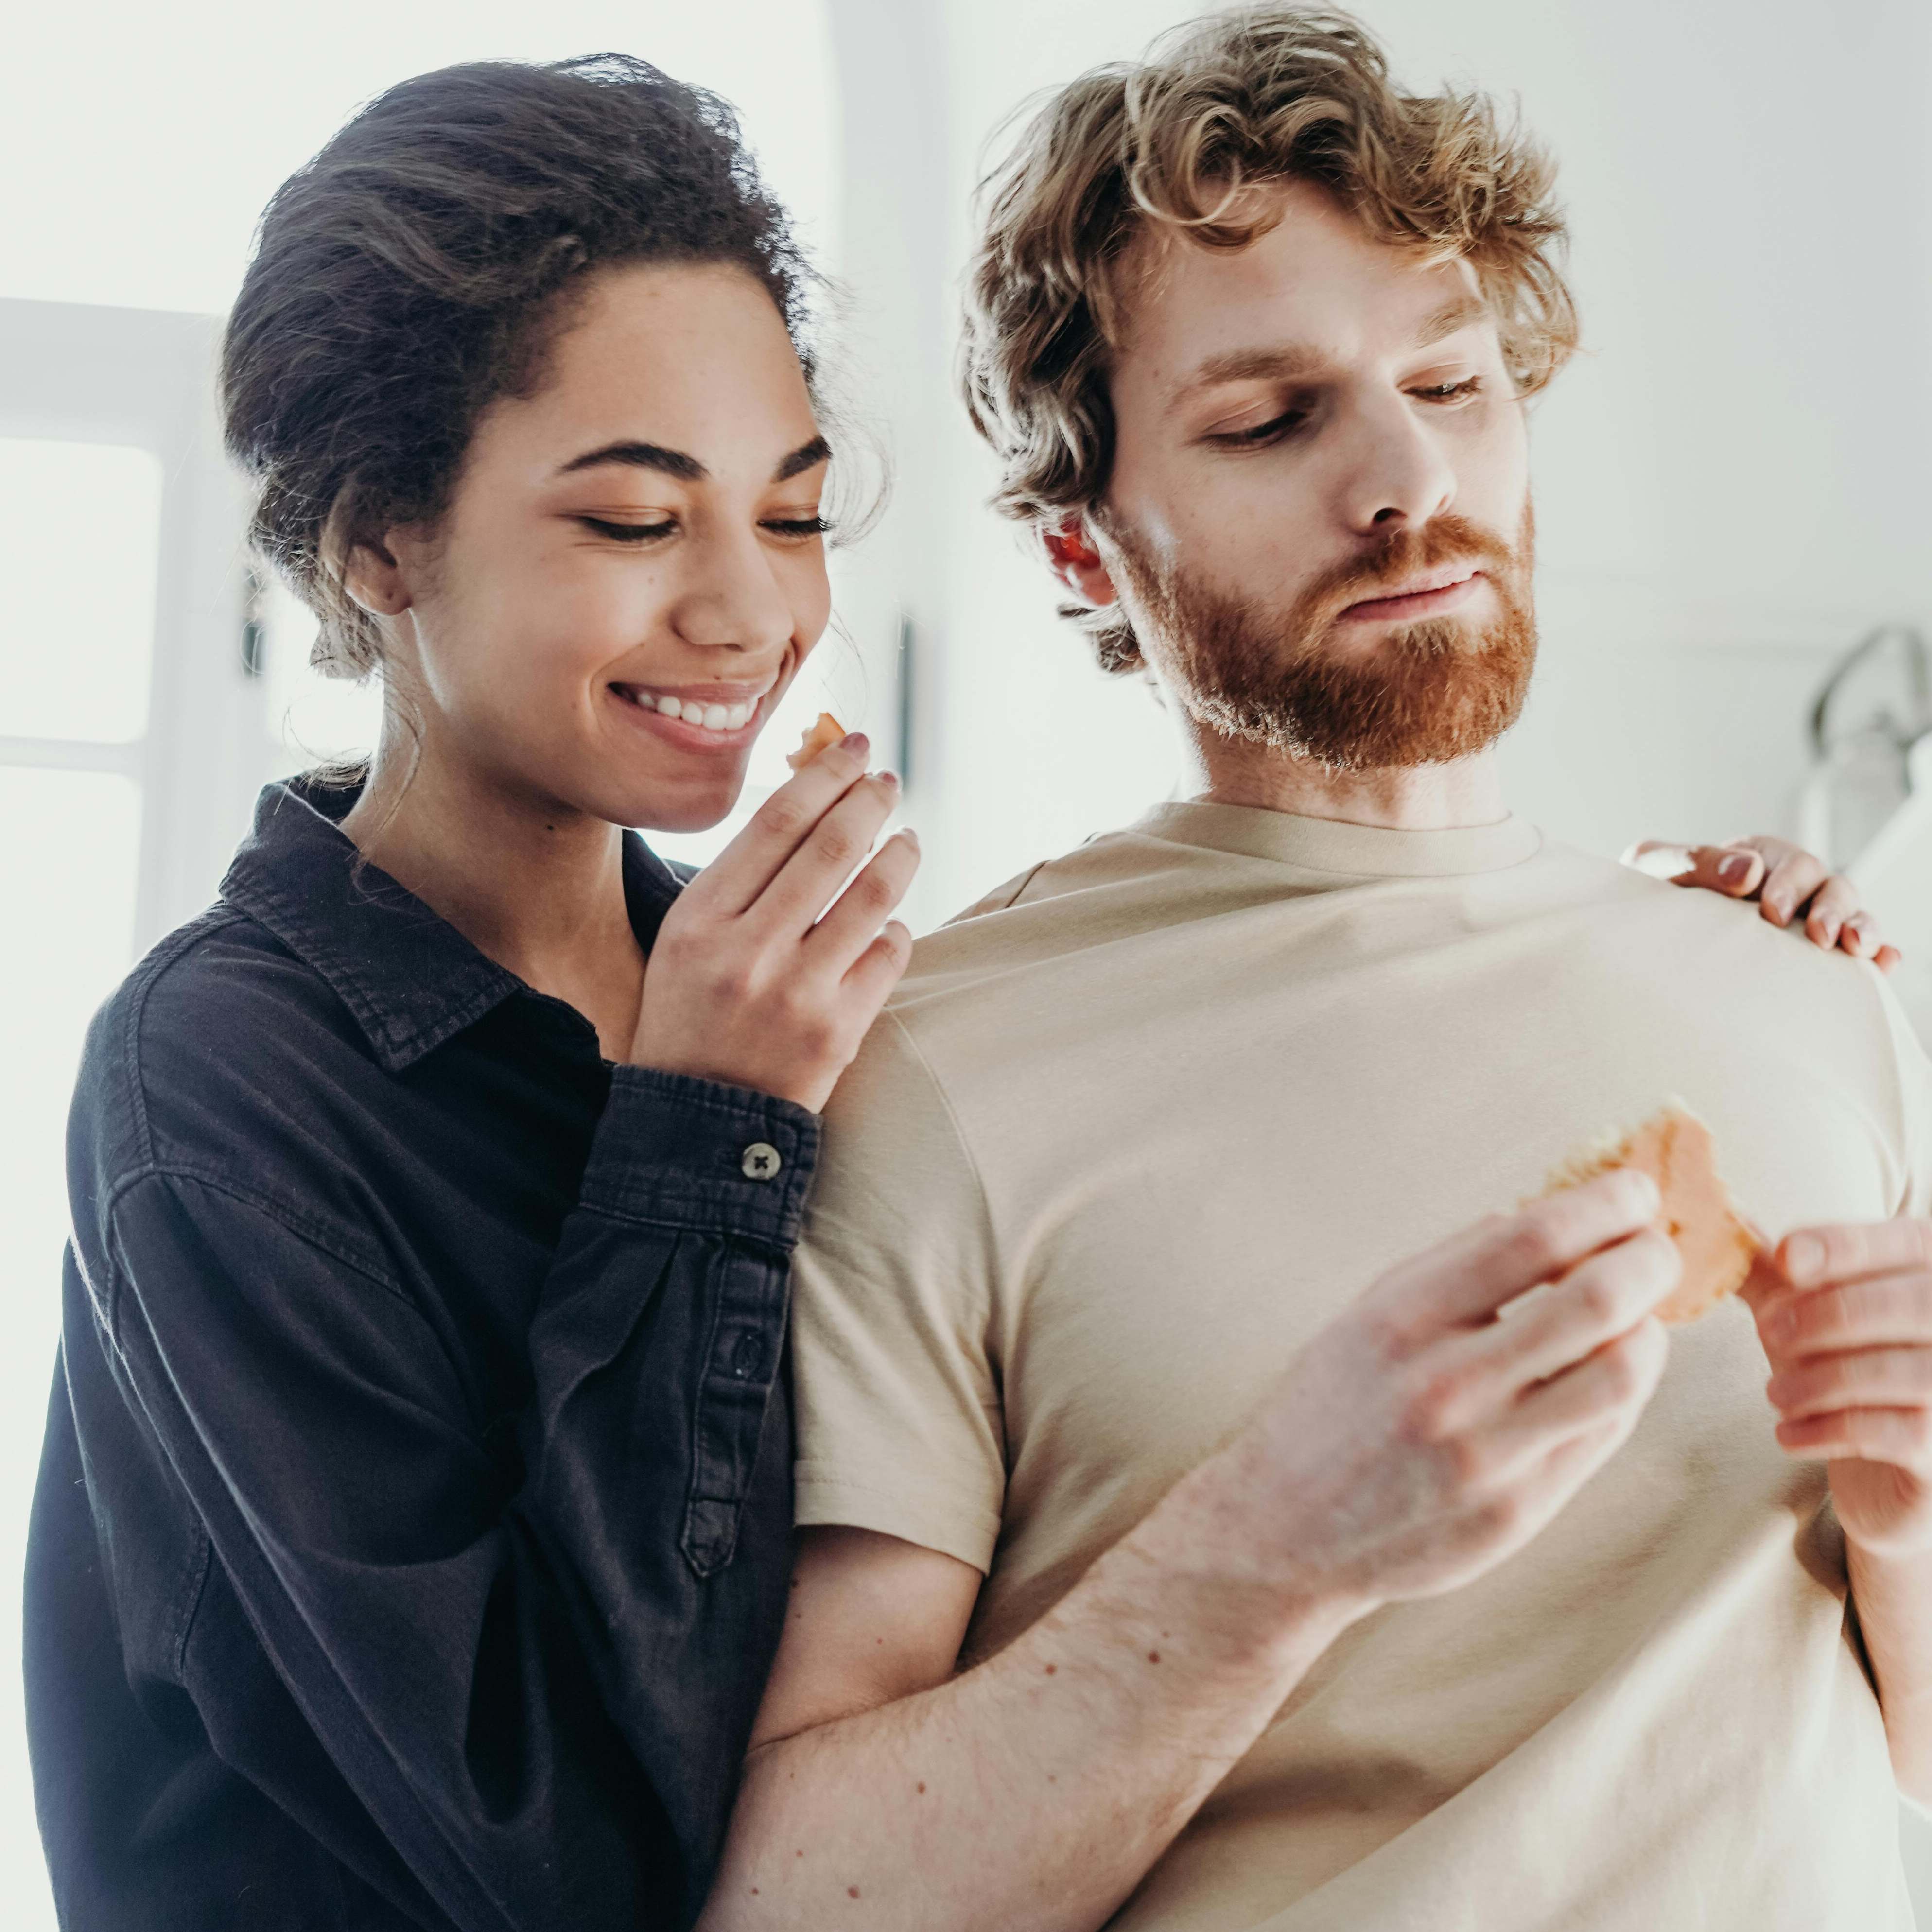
x=1424, y=1436
x=1787, y=882
x=1845, y=1315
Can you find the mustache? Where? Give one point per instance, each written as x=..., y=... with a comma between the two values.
x=1398, y=555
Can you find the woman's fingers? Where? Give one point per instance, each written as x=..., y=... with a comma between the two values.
x=1732, y=870
x=1791, y=876
x=879, y=968
x=854, y=921
x=826, y=858
x=742, y=872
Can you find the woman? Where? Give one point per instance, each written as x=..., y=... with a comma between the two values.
x=412, y=1537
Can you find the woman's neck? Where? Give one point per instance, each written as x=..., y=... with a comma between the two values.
x=537, y=887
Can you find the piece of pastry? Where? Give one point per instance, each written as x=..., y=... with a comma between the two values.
x=823, y=735
x=1718, y=1245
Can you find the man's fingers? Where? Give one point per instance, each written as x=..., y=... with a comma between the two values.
x=748, y=865
x=854, y=921
x=1609, y=1384
x=1847, y=1250
x=1901, y=1435
x=1886, y=958
x=1605, y=1296
x=1859, y=1378
x=1880, y=1311
x=1467, y=1278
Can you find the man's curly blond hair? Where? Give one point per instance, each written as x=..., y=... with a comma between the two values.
x=1255, y=95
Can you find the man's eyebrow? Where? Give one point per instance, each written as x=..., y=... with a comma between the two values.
x=1247, y=365
x=641, y=456
x=1450, y=318
x=806, y=456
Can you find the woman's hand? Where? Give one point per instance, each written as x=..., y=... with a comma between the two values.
x=753, y=981
x=1786, y=881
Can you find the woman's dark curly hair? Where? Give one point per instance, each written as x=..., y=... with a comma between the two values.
x=419, y=268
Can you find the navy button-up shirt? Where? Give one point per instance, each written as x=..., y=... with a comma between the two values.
x=411, y=1541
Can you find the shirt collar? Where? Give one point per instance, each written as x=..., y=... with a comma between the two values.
x=409, y=978
x=1327, y=845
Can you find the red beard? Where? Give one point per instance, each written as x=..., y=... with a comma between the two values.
x=1439, y=688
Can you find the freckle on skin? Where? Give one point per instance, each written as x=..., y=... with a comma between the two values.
x=1154, y=1657
x=921, y=1791
x=1051, y=1668
x=851, y=1892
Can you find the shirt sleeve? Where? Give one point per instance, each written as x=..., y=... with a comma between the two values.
x=462, y=1658
x=895, y=1352
x=1915, y=1079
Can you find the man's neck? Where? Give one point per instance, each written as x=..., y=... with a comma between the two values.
x=1415, y=798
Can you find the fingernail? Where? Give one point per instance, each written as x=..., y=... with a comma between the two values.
x=1777, y=909
x=1735, y=870
x=1640, y=1192
x=1804, y=1258
x=1827, y=933
x=910, y=837
x=888, y=779
x=855, y=741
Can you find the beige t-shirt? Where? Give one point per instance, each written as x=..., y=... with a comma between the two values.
x=1135, y=1129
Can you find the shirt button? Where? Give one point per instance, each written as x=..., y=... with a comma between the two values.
x=761, y=1161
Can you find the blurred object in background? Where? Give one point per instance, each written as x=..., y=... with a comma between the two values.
x=1876, y=705
x=1867, y=804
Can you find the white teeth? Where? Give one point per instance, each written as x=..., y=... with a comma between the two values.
x=693, y=711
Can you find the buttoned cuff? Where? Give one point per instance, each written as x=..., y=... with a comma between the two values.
x=695, y=1153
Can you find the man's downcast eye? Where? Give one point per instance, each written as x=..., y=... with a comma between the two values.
x=799, y=527
x=1272, y=431
x=1449, y=392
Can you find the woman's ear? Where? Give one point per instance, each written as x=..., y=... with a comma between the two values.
x=376, y=580
x=1074, y=560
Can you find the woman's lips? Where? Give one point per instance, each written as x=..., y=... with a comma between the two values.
x=1437, y=600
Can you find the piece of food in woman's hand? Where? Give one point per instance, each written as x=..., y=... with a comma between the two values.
x=821, y=737
x=1717, y=1244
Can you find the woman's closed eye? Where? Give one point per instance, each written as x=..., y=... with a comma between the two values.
x=627, y=533
x=797, y=528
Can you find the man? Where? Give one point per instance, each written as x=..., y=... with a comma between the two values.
x=1156, y=1571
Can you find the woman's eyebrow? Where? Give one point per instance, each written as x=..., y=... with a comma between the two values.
x=687, y=468
x=641, y=456
x=805, y=457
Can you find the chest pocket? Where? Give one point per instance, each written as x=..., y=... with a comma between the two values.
x=743, y=1353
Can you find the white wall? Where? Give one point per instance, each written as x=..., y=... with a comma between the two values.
x=1733, y=478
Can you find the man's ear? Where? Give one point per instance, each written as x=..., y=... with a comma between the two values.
x=372, y=576
x=1076, y=561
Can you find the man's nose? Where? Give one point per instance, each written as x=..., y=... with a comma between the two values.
x=731, y=598
x=1398, y=476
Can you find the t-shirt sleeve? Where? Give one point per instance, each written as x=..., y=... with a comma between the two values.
x=894, y=1361
x=1915, y=1074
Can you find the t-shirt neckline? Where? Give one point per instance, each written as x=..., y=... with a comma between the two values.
x=1330, y=845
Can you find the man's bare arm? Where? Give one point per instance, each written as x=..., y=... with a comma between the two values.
x=1416, y=1443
